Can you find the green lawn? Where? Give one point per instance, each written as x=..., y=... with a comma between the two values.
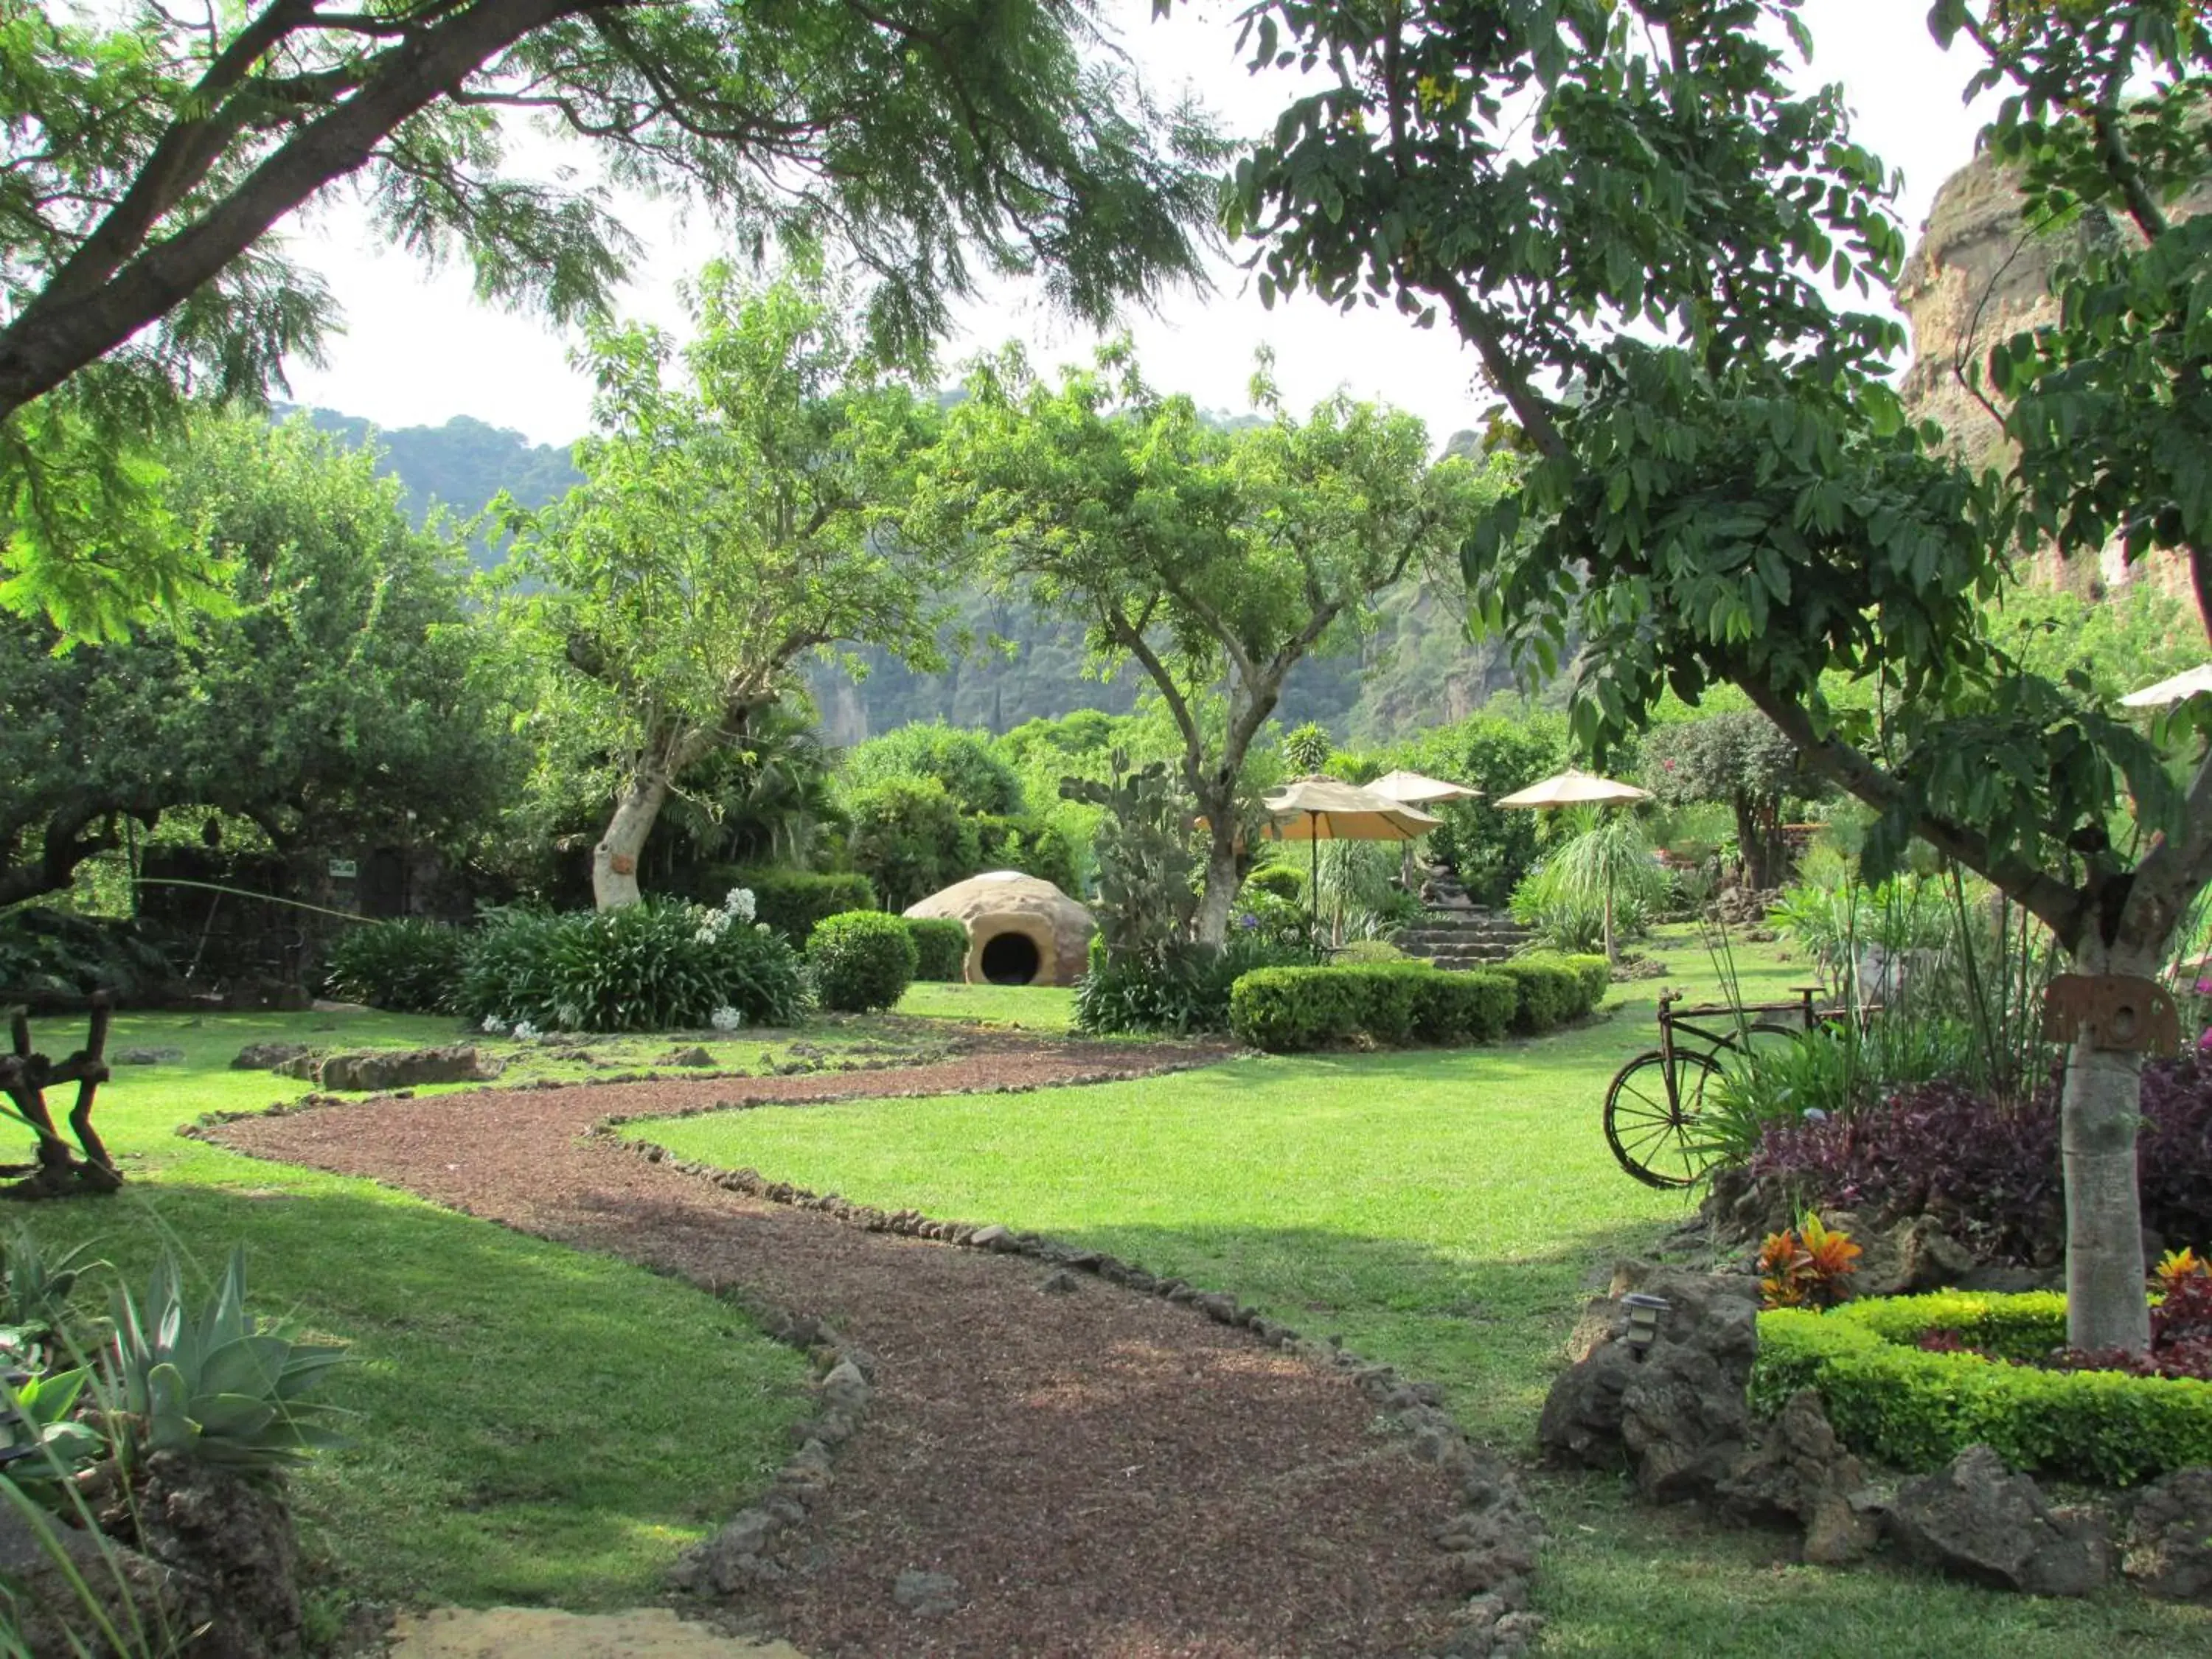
x=1033, y=1007
x=1447, y=1212
x=533, y=1425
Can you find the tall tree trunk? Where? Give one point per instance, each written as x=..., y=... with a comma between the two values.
x=2099, y=1115
x=614, y=861
x=1222, y=879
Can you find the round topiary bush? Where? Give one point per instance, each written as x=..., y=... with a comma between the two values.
x=940, y=944
x=861, y=960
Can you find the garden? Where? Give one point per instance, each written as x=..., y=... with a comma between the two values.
x=1011, y=1015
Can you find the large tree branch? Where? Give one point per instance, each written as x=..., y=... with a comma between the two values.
x=1531, y=410
x=2175, y=870
x=2064, y=910
x=65, y=328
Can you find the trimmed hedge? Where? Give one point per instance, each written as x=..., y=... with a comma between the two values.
x=1891, y=1399
x=941, y=947
x=1554, y=989
x=792, y=901
x=1284, y=1010
x=861, y=960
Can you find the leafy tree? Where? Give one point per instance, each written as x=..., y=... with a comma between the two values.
x=146, y=154
x=1650, y=241
x=337, y=697
x=722, y=533
x=910, y=839
x=1742, y=760
x=1208, y=558
x=965, y=762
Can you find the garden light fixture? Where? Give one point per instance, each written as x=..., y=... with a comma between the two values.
x=1645, y=1314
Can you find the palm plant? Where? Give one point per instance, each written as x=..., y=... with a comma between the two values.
x=1608, y=865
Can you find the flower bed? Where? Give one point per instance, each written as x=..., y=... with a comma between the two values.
x=1889, y=1398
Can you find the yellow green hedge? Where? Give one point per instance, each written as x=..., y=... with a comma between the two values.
x=1891, y=1399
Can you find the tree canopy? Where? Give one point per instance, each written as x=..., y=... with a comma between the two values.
x=724, y=532
x=147, y=155
x=1664, y=257
x=1208, y=558
x=335, y=698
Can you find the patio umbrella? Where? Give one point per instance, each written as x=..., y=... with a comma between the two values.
x=2188, y=683
x=1574, y=788
x=1316, y=809
x=1412, y=789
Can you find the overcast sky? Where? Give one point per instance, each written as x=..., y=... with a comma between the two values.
x=418, y=348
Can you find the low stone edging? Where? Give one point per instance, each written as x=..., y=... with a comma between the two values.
x=1491, y=1541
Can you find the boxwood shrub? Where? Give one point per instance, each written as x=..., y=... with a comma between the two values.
x=1554, y=989
x=1284, y=1010
x=790, y=901
x=941, y=947
x=1889, y=1399
x=861, y=960
x=404, y=966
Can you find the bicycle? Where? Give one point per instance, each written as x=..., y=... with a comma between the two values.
x=1651, y=1111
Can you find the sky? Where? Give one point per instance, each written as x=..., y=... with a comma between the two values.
x=418, y=348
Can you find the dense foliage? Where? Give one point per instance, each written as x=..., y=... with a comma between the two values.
x=790, y=901
x=1993, y=1171
x=404, y=966
x=1182, y=988
x=656, y=965
x=967, y=763
x=1287, y=1010
x=861, y=961
x=1741, y=760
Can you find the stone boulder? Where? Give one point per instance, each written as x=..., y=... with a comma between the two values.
x=1677, y=1419
x=377, y=1069
x=1021, y=931
x=1977, y=1519
x=268, y=1056
x=1796, y=1472
x=2169, y=1537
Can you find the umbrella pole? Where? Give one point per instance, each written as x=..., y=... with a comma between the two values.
x=1313, y=869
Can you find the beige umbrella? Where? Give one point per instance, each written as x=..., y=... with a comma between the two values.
x=1414, y=789
x=1573, y=787
x=2190, y=683
x=1316, y=809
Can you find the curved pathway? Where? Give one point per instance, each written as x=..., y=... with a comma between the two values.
x=1105, y=1474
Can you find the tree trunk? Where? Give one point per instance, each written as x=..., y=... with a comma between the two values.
x=614, y=861
x=2100, y=1113
x=1221, y=875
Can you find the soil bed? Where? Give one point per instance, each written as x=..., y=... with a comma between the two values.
x=1103, y=1473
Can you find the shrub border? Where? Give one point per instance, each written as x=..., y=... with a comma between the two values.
x=1905, y=1406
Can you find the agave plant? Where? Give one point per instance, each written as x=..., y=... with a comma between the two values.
x=223, y=1388
x=34, y=1294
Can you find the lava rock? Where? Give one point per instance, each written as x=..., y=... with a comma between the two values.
x=268, y=1056
x=1977, y=1519
x=694, y=1056
x=2169, y=1537
x=1796, y=1471
x=148, y=1056
x=378, y=1069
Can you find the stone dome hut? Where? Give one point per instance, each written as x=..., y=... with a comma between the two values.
x=1021, y=931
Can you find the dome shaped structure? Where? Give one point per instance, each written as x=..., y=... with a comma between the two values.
x=1021, y=931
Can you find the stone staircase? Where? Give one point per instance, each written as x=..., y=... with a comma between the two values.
x=1454, y=933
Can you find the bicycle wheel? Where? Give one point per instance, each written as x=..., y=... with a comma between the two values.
x=1651, y=1117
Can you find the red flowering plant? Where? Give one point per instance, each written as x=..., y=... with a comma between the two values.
x=1807, y=1266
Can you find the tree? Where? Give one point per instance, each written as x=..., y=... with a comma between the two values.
x=147, y=155
x=721, y=534
x=336, y=696
x=1649, y=241
x=1740, y=758
x=1207, y=557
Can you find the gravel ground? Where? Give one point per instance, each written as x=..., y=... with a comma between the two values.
x=1104, y=1473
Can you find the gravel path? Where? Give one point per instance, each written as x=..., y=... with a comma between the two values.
x=1104, y=1473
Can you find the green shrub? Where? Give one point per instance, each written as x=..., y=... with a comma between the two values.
x=909, y=838
x=1284, y=881
x=862, y=960
x=1597, y=978
x=44, y=951
x=657, y=965
x=1367, y=953
x=1891, y=1399
x=1285, y=1010
x=1389, y=995
x=1475, y=1006
x=403, y=966
x=1552, y=992
x=790, y=901
x=1176, y=987
x=1028, y=845
x=964, y=762
x=941, y=947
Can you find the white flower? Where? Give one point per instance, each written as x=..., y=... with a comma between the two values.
x=524, y=1031
x=707, y=935
x=494, y=1022
x=738, y=903
x=570, y=1016
x=726, y=1019
x=760, y=928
